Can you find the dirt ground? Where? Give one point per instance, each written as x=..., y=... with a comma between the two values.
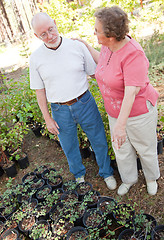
x=43, y=150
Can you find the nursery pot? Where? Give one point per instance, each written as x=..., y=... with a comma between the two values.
x=91, y=198
x=82, y=189
x=11, y=171
x=56, y=182
x=77, y=232
x=126, y=234
x=123, y=214
x=43, y=192
x=37, y=130
x=23, y=162
x=61, y=228
x=144, y=225
x=46, y=173
x=1, y=171
x=69, y=197
x=69, y=185
x=85, y=152
x=158, y=233
x=79, y=209
x=160, y=146
x=57, y=211
x=26, y=224
x=40, y=230
x=92, y=219
x=106, y=205
x=28, y=177
x=39, y=171
x=12, y=234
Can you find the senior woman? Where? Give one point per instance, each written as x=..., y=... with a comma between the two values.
x=129, y=98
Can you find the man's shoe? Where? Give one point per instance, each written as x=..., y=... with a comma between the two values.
x=110, y=182
x=152, y=187
x=80, y=179
x=124, y=188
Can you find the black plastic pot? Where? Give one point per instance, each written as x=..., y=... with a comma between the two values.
x=69, y=197
x=8, y=233
x=144, y=224
x=91, y=199
x=11, y=171
x=23, y=162
x=1, y=171
x=158, y=233
x=126, y=234
x=46, y=172
x=39, y=171
x=56, y=194
x=160, y=146
x=106, y=205
x=49, y=190
x=37, y=130
x=11, y=210
x=26, y=230
x=55, y=185
x=31, y=204
x=85, y=152
x=80, y=232
x=36, y=233
x=57, y=211
x=123, y=214
x=82, y=189
x=37, y=184
x=69, y=185
x=28, y=177
x=95, y=223
x=78, y=211
x=61, y=227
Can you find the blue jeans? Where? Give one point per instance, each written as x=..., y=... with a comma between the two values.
x=85, y=113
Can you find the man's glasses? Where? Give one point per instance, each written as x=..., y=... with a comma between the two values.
x=44, y=35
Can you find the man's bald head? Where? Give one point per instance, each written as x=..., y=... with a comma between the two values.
x=40, y=18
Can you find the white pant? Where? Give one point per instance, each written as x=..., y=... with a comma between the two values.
x=141, y=138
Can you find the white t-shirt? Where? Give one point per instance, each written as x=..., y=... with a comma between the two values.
x=62, y=72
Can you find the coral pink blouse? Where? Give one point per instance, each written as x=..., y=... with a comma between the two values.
x=126, y=67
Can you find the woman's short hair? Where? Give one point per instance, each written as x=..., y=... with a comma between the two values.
x=114, y=21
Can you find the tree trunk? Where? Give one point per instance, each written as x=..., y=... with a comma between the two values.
x=18, y=17
x=6, y=17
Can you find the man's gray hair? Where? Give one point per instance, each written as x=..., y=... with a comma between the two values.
x=38, y=16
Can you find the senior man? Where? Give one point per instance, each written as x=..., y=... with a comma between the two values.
x=58, y=73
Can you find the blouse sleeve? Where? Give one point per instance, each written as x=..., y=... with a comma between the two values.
x=135, y=69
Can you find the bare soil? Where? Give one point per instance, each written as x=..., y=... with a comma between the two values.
x=43, y=150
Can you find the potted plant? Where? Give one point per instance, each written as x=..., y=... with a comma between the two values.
x=91, y=199
x=40, y=230
x=69, y=185
x=77, y=232
x=82, y=189
x=158, y=233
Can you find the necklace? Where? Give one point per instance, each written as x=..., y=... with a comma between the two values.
x=109, y=58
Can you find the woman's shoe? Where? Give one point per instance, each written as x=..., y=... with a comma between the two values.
x=124, y=188
x=152, y=187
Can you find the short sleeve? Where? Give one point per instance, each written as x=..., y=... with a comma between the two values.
x=135, y=69
x=35, y=79
x=89, y=63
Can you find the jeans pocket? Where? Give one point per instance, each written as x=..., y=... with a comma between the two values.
x=55, y=107
x=86, y=98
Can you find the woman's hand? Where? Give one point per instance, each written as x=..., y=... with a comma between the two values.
x=118, y=136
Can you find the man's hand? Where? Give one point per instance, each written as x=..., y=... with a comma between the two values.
x=52, y=126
